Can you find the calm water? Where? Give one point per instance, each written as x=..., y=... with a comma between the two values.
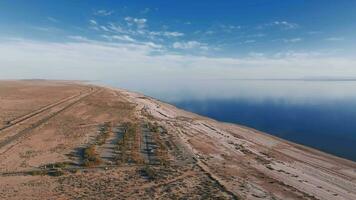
x=320, y=114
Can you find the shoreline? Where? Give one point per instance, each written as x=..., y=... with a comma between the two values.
x=302, y=146
x=237, y=162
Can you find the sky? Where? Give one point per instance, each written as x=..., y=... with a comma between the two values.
x=140, y=42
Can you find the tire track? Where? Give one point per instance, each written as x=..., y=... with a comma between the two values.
x=38, y=111
x=36, y=124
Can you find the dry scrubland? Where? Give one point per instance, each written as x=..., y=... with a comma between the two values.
x=68, y=140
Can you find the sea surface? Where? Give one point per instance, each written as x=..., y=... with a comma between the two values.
x=316, y=113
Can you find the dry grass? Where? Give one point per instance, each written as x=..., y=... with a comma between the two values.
x=91, y=158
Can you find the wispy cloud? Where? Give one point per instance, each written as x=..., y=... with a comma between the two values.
x=116, y=28
x=153, y=45
x=335, y=39
x=139, y=22
x=104, y=28
x=125, y=38
x=93, y=22
x=293, y=54
x=314, y=32
x=52, y=19
x=285, y=25
x=100, y=60
x=78, y=38
x=219, y=28
x=173, y=34
x=229, y=28
x=190, y=45
x=166, y=33
x=136, y=30
x=103, y=12
x=256, y=35
x=292, y=40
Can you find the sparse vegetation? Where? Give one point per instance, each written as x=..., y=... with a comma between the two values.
x=162, y=152
x=129, y=146
x=148, y=172
x=37, y=173
x=52, y=172
x=105, y=131
x=73, y=171
x=60, y=165
x=90, y=156
x=153, y=127
x=56, y=172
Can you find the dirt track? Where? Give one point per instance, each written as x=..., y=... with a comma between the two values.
x=36, y=112
x=37, y=118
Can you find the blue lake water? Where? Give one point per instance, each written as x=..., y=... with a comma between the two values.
x=319, y=114
x=329, y=126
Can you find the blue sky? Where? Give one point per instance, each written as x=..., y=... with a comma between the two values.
x=194, y=39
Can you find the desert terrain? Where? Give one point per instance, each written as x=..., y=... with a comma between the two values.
x=74, y=140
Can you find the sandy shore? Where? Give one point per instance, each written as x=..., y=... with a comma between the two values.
x=47, y=122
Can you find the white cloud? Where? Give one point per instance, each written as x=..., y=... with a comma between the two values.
x=281, y=24
x=104, y=28
x=335, y=39
x=118, y=39
x=219, y=28
x=153, y=45
x=257, y=35
x=229, y=28
x=124, y=38
x=116, y=28
x=133, y=63
x=189, y=45
x=314, y=32
x=286, y=25
x=292, y=40
x=173, y=34
x=134, y=29
x=139, y=22
x=78, y=37
x=166, y=33
x=103, y=12
x=293, y=54
x=93, y=22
